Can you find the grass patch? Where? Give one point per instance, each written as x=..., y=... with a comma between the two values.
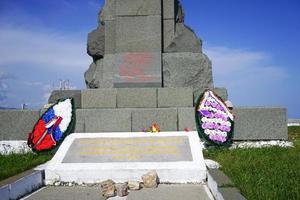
x=266, y=173
x=294, y=132
x=13, y=164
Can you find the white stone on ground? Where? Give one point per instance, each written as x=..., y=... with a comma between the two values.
x=261, y=144
x=211, y=164
x=14, y=146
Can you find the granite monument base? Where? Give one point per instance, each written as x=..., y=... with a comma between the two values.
x=84, y=157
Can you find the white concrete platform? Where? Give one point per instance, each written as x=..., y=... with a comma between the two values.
x=92, y=157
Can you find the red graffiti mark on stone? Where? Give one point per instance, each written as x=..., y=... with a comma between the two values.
x=134, y=67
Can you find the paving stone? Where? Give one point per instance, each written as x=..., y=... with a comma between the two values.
x=68, y=193
x=167, y=192
x=138, y=7
x=16, y=124
x=104, y=120
x=231, y=194
x=99, y=98
x=138, y=34
x=137, y=98
x=260, y=124
x=175, y=97
x=63, y=94
x=186, y=119
x=166, y=118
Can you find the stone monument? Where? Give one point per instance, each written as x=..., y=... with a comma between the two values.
x=145, y=43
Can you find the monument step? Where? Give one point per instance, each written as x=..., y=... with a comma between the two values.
x=93, y=157
x=133, y=97
x=133, y=119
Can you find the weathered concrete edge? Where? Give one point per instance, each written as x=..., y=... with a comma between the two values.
x=22, y=184
x=216, y=188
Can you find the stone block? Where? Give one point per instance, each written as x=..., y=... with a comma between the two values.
x=16, y=124
x=138, y=7
x=185, y=40
x=168, y=32
x=138, y=34
x=100, y=74
x=166, y=118
x=79, y=126
x=260, y=124
x=175, y=97
x=63, y=94
x=169, y=9
x=137, y=98
x=104, y=120
x=110, y=37
x=108, y=11
x=94, y=157
x=187, y=70
x=186, y=119
x=137, y=70
x=221, y=92
x=99, y=98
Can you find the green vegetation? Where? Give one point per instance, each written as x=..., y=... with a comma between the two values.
x=265, y=173
x=13, y=164
x=294, y=132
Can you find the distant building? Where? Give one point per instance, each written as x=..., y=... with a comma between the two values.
x=293, y=122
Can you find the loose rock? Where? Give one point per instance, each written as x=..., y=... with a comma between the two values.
x=150, y=179
x=134, y=185
x=108, y=188
x=122, y=189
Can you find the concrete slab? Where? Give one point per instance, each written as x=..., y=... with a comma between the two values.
x=21, y=184
x=138, y=7
x=163, y=192
x=174, y=97
x=137, y=98
x=138, y=34
x=137, y=70
x=260, y=123
x=231, y=193
x=4, y=192
x=99, y=98
x=16, y=124
x=67, y=193
x=174, y=159
x=186, y=119
x=103, y=120
x=174, y=192
x=63, y=94
x=166, y=118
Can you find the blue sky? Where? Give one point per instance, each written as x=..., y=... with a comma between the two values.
x=253, y=45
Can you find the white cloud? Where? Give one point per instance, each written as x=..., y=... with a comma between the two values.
x=44, y=48
x=250, y=76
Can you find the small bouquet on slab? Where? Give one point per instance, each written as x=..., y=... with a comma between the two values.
x=154, y=128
